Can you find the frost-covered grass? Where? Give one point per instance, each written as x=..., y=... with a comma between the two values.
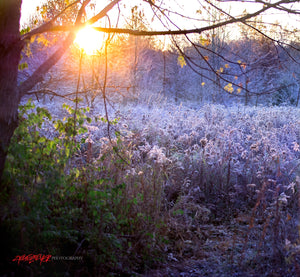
x=190, y=167
x=234, y=165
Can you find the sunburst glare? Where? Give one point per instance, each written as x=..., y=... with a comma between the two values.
x=89, y=40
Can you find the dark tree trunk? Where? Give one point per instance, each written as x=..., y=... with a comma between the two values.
x=10, y=53
x=11, y=46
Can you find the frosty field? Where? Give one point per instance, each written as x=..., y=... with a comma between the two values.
x=204, y=186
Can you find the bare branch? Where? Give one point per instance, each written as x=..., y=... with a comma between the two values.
x=94, y=19
x=103, y=12
x=255, y=29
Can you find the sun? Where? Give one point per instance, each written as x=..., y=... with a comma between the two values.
x=89, y=40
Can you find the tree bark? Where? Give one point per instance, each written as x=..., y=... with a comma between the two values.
x=10, y=53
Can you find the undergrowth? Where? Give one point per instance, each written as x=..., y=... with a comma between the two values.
x=60, y=202
x=148, y=193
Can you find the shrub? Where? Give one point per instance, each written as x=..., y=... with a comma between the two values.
x=60, y=202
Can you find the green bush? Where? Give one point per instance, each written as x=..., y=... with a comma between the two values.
x=62, y=205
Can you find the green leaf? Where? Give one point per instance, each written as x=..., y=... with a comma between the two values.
x=24, y=31
x=178, y=212
x=23, y=66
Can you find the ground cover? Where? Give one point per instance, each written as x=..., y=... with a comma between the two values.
x=208, y=191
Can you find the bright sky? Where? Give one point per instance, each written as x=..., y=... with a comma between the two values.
x=28, y=8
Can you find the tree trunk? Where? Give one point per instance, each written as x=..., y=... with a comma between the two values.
x=10, y=53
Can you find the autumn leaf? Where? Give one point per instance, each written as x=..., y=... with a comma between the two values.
x=203, y=83
x=204, y=41
x=229, y=88
x=243, y=65
x=32, y=39
x=181, y=61
x=44, y=10
x=28, y=52
x=206, y=58
x=227, y=65
x=42, y=40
